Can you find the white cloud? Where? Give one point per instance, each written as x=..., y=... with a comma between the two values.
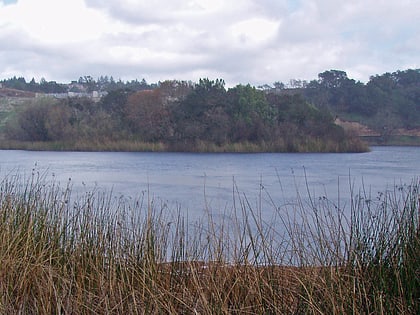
x=54, y=22
x=254, y=32
x=256, y=41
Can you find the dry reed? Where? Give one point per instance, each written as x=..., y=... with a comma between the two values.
x=99, y=254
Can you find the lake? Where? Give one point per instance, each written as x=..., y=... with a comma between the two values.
x=193, y=181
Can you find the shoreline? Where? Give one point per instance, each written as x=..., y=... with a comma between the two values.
x=312, y=146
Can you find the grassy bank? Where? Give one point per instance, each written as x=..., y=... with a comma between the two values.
x=297, y=145
x=99, y=254
x=393, y=140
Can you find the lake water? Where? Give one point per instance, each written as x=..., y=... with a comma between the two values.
x=193, y=182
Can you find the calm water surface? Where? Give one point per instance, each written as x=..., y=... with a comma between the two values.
x=196, y=181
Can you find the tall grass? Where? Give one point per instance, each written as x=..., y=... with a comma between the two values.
x=308, y=144
x=98, y=254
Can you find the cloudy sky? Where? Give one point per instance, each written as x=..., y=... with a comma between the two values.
x=241, y=41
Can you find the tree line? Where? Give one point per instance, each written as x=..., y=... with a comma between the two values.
x=385, y=102
x=186, y=116
x=84, y=83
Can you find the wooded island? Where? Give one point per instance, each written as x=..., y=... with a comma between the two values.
x=206, y=116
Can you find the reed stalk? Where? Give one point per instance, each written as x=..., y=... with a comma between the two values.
x=95, y=253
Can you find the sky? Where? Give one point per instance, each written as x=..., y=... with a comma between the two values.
x=242, y=41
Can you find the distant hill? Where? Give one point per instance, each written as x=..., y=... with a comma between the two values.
x=6, y=92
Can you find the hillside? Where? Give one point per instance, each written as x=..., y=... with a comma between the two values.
x=6, y=92
x=388, y=105
x=11, y=101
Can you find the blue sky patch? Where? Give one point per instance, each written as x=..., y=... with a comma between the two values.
x=9, y=1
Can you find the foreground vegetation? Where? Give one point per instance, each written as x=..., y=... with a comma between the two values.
x=98, y=254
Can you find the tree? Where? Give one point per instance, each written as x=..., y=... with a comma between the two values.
x=332, y=78
x=297, y=84
x=205, y=95
x=58, y=123
x=279, y=85
x=196, y=114
x=407, y=78
x=174, y=90
x=115, y=101
x=32, y=121
x=251, y=113
x=385, y=82
x=147, y=116
x=248, y=102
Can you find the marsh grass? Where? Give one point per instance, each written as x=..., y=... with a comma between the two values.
x=98, y=254
x=352, y=144
x=81, y=145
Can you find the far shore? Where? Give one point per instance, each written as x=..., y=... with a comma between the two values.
x=198, y=147
x=202, y=147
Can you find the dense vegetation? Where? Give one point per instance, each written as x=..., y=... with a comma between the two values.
x=205, y=116
x=180, y=115
x=97, y=254
x=386, y=102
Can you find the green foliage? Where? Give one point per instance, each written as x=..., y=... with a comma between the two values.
x=397, y=94
x=332, y=79
x=43, y=86
x=183, y=116
x=115, y=100
x=32, y=122
x=201, y=115
x=249, y=103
